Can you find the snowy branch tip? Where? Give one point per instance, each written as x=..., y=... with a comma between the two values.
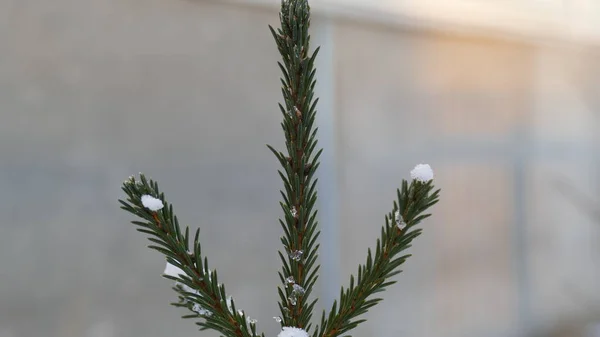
x=152, y=203
x=289, y=331
x=422, y=173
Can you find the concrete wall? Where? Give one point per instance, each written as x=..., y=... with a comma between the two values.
x=92, y=91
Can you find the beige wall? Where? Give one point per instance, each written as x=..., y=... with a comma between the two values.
x=92, y=91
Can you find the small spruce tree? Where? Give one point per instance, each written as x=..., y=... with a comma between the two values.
x=198, y=286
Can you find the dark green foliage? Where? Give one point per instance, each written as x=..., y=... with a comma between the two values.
x=299, y=163
x=373, y=276
x=299, y=166
x=167, y=237
x=199, y=286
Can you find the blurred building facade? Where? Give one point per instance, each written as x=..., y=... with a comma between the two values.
x=186, y=91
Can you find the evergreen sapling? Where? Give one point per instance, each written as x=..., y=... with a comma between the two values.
x=198, y=287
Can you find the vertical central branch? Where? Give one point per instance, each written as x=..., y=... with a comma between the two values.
x=298, y=274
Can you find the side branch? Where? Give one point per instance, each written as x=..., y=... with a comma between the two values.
x=197, y=285
x=374, y=275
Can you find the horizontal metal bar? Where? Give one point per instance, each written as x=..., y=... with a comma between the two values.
x=529, y=28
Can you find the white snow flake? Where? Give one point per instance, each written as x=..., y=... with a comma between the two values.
x=187, y=289
x=200, y=310
x=171, y=270
x=298, y=290
x=230, y=304
x=289, y=331
x=151, y=202
x=296, y=255
x=294, y=212
x=422, y=173
x=399, y=221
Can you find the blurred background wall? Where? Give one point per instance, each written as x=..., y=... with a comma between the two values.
x=92, y=91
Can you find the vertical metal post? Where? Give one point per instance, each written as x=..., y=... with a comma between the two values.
x=323, y=36
x=519, y=237
x=523, y=148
